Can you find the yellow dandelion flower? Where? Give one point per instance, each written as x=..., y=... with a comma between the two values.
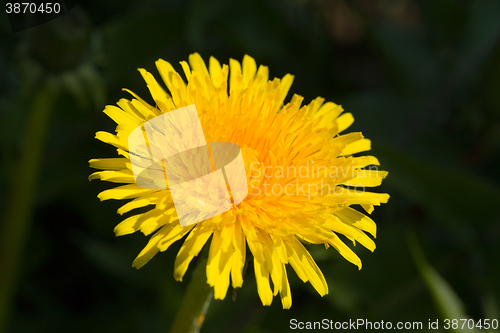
x=301, y=175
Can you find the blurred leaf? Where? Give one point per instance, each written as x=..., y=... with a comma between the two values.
x=72, y=82
x=447, y=301
x=445, y=19
x=135, y=40
x=454, y=198
x=344, y=296
x=193, y=309
x=491, y=309
x=94, y=85
x=407, y=56
x=107, y=258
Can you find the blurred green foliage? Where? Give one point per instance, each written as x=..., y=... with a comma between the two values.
x=422, y=78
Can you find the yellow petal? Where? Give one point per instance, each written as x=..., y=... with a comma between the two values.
x=190, y=248
x=222, y=283
x=235, y=76
x=157, y=92
x=110, y=139
x=285, y=85
x=143, y=102
x=216, y=72
x=142, y=201
x=285, y=292
x=186, y=69
x=110, y=163
x=357, y=147
x=312, y=271
x=357, y=219
x=164, y=217
x=329, y=110
x=122, y=176
x=220, y=261
x=350, y=232
x=261, y=77
x=249, y=69
x=344, y=250
x=368, y=178
x=347, y=139
x=150, y=250
x=213, y=269
x=360, y=197
x=173, y=233
x=197, y=64
x=272, y=261
x=121, y=117
x=344, y=121
x=363, y=161
x=239, y=256
x=124, y=192
x=165, y=69
x=135, y=222
x=262, y=279
x=367, y=208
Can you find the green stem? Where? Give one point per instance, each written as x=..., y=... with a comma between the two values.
x=18, y=213
x=195, y=304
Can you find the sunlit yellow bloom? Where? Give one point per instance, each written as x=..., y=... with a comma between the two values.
x=301, y=173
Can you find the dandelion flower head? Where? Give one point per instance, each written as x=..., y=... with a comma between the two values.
x=302, y=174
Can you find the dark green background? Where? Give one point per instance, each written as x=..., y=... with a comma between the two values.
x=422, y=79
